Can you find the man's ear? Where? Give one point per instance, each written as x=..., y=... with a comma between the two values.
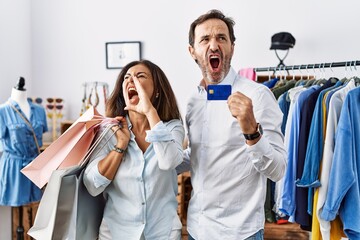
x=232, y=49
x=191, y=51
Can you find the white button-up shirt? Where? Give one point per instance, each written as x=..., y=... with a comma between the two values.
x=141, y=200
x=228, y=176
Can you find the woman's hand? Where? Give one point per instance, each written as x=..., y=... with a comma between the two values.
x=144, y=106
x=122, y=132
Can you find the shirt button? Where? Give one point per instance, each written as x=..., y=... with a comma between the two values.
x=143, y=203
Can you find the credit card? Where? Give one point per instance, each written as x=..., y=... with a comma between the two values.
x=218, y=92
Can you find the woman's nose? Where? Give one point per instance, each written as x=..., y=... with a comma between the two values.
x=131, y=79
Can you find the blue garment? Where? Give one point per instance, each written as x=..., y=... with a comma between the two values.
x=19, y=149
x=302, y=217
x=343, y=195
x=310, y=176
x=271, y=83
x=284, y=105
x=288, y=204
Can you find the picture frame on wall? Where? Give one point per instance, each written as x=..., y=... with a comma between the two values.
x=118, y=54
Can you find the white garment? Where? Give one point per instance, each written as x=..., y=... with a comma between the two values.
x=228, y=176
x=104, y=233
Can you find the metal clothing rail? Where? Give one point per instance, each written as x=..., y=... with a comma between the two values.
x=310, y=66
x=85, y=84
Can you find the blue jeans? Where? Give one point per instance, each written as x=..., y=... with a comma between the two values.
x=257, y=236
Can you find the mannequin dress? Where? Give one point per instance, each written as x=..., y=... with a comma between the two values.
x=18, y=149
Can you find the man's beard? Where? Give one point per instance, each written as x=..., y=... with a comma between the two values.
x=215, y=77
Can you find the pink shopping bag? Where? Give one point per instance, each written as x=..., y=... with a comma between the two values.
x=66, y=151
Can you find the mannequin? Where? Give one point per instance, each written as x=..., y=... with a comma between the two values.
x=22, y=125
x=18, y=94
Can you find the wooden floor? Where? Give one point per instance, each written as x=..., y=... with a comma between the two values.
x=275, y=231
x=292, y=231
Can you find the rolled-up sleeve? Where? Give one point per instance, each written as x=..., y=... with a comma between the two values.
x=167, y=139
x=93, y=180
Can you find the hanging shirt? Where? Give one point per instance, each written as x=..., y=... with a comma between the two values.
x=228, y=176
x=311, y=172
x=291, y=97
x=248, y=73
x=19, y=149
x=141, y=200
x=343, y=187
x=329, y=230
x=292, y=133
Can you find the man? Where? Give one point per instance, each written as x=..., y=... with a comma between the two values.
x=234, y=144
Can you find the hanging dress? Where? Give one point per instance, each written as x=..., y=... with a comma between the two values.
x=18, y=149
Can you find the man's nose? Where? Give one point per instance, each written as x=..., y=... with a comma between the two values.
x=213, y=44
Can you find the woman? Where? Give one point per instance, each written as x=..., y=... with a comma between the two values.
x=135, y=169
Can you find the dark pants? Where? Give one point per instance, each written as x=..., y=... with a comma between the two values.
x=257, y=236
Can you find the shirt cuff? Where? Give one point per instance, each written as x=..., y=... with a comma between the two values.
x=159, y=133
x=99, y=180
x=259, y=149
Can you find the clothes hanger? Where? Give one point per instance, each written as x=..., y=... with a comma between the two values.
x=345, y=78
x=356, y=78
x=301, y=74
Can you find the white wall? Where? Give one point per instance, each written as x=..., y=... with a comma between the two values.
x=68, y=39
x=15, y=61
x=15, y=45
x=58, y=45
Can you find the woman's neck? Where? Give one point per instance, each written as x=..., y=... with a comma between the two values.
x=139, y=122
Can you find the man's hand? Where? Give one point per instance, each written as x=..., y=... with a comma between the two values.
x=241, y=108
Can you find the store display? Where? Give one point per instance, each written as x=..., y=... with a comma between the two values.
x=96, y=98
x=54, y=108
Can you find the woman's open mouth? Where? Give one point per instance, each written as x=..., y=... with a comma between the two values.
x=133, y=95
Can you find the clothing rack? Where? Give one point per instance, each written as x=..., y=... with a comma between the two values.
x=85, y=84
x=309, y=66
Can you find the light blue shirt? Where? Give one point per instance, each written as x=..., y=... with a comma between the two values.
x=343, y=195
x=142, y=197
x=288, y=204
x=228, y=176
x=19, y=149
x=314, y=150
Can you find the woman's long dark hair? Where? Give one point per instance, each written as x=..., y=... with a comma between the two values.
x=163, y=98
